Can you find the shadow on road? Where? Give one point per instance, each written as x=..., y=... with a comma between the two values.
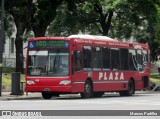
x=78, y=97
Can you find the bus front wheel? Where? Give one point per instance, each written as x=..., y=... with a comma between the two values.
x=130, y=91
x=47, y=95
x=88, y=90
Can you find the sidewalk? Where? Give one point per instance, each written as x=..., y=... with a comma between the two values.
x=7, y=96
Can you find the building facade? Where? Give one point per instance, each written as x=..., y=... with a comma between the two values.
x=9, y=53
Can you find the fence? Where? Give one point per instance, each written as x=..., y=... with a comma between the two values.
x=9, y=62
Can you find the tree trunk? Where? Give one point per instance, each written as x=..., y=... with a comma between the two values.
x=21, y=12
x=19, y=54
x=106, y=26
x=19, y=48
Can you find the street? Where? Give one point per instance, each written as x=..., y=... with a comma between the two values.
x=110, y=101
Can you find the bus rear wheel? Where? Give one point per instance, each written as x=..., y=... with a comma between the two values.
x=130, y=91
x=88, y=90
x=47, y=95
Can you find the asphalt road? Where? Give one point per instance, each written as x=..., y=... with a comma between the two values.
x=110, y=101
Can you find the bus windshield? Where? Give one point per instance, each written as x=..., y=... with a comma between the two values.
x=48, y=63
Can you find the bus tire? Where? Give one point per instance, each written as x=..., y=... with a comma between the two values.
x=47, y=95
x=88, y=90
x=130, y=91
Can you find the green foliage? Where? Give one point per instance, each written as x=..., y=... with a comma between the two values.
x=7, y=79
x=101, y=13
x=18, y=9
x=27, y=15
x=116, y=18
x=157, y=24
x=28, y=34
x=106, y=4
x=69, y=20
x=8, y=25
x=132, y=17
x=8, y=70
x=43, y=13
x=86, y=17
x=154, y=30
x=155, y=78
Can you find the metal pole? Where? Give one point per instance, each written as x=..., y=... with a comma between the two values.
x=1, y=42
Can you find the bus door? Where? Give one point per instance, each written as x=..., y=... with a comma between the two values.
x=78, y=74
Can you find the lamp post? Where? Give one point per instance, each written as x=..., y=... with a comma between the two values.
x=1, y=42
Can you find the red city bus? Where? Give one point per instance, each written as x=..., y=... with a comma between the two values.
x=86, y=64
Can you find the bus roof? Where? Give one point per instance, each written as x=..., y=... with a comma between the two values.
x=94, y=37
x=89, y=37
x=46, y=38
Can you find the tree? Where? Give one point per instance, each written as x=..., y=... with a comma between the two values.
x=27, y=15
x=104, y=15
x=115, y=18
x=20, y=10
x=43, y=13
x=8, y=25
x=157, y=24
x=72, y=18
x=69, y=20
x=155, y=44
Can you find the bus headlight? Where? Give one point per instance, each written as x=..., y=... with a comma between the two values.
x=30, y=82
x=65, y=82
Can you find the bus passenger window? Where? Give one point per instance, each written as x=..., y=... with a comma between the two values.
x=115, y=64
x=132, y=60
x=139, y=60
x=77, y=60
x=105, y=58
x=96, y=57
x=87, y=58
x=124, y=59
x=145, y=59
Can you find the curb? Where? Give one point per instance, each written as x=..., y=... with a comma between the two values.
x=7, y=96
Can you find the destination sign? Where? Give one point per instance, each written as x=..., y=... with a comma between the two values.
x=49, y=44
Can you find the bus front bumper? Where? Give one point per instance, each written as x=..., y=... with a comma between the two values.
x=61, y=89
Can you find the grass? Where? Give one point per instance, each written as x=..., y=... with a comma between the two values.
x=155, y=78
x=6, y=79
